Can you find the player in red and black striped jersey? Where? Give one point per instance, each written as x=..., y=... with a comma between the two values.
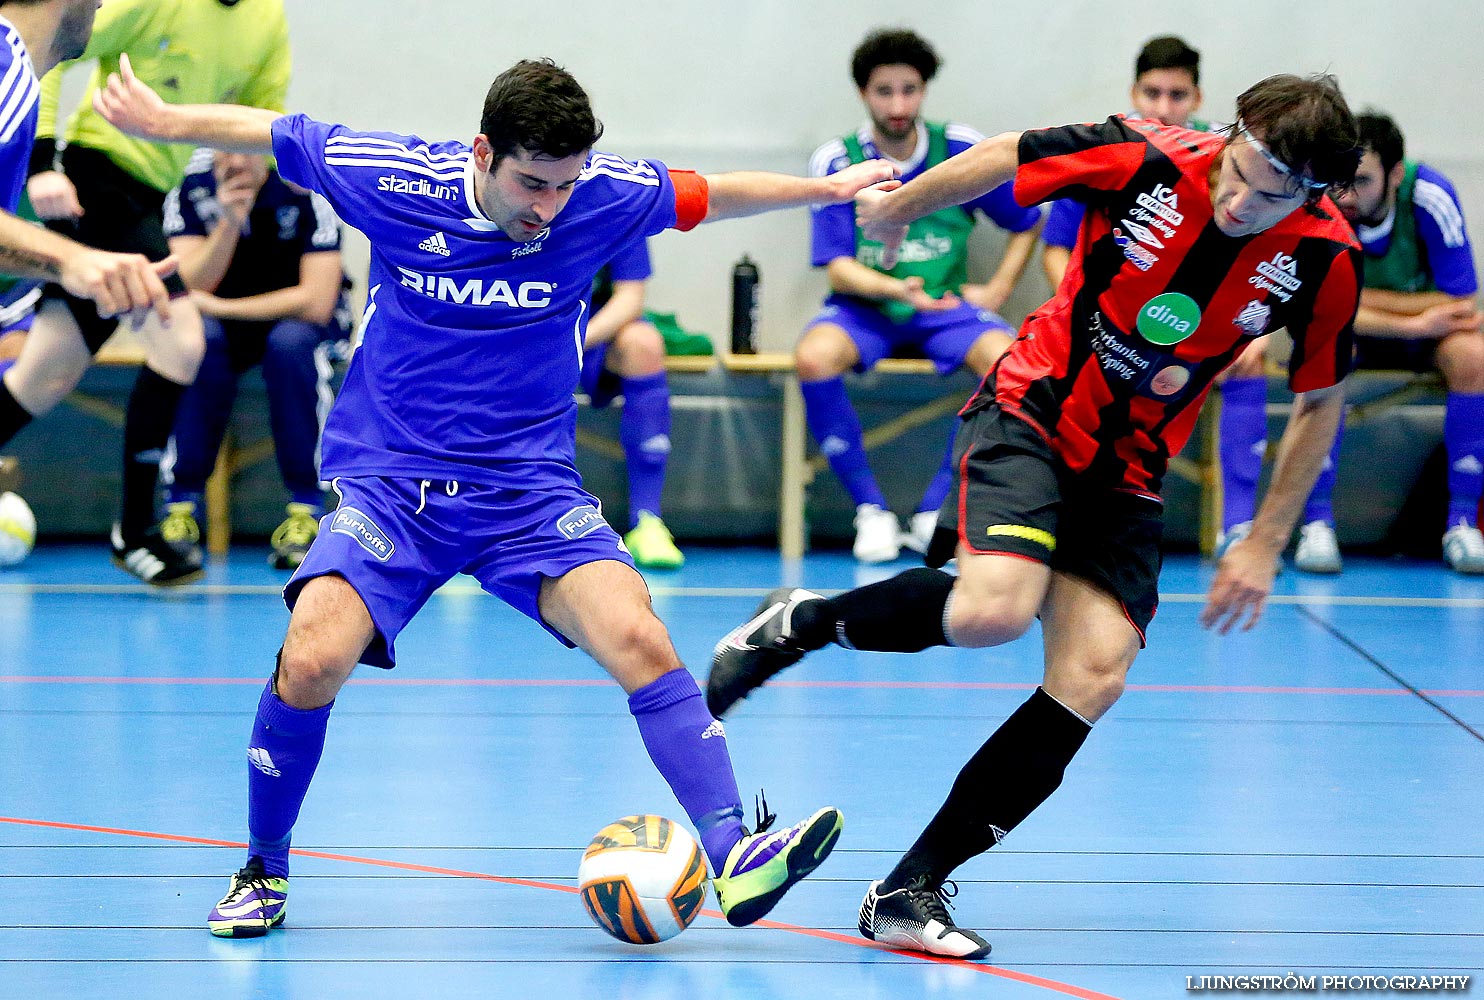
x=1192, y=246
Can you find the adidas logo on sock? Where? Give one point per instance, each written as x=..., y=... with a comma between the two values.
x=1469, y=464
x=834, y=445
x=713, y=730
x=263, y=761
x=435, y=244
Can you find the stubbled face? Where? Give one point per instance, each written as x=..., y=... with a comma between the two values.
x=522, y=193
x=1249, y=196
x=229, y=166
x=74, y=28
x=893, y=97
x=1369, y=200
x=1166, y=95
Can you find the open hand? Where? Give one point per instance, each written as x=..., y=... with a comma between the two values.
x=1244, y=578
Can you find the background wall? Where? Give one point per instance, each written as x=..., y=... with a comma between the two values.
x=759, y=83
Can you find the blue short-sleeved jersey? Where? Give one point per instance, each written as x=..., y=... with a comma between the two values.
x=1440, y=230
x=282, y=227
x=471, y=341
x=631, y=263
x=19, y=90
x=833, y=226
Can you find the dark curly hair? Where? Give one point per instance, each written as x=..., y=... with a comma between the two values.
x=889, y=46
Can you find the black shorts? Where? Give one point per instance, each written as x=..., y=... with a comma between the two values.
x=1012, y=496
x=1412, y=355
x=120, y=213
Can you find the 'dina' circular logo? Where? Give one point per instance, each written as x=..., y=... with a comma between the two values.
x=1169, y=318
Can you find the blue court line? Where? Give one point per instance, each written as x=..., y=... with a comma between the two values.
x=1052, y=985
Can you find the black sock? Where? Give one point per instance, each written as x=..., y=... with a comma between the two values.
x=147, y=427
x=1014, y=772
x=900, y=615
x=13, y=416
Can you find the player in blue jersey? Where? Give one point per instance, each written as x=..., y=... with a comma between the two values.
x=624, y=355
x=1419, y=312
x=923, y=305
x=262, y=261
x=38, y=35
x=452, y=441
x=1166, y=88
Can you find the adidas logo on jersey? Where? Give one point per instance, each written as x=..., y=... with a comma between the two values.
x=435, y=244
x=263, y=761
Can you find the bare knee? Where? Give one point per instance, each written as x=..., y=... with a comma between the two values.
x=1461, y=358
x=329, y=630
x=644, y=651
x=988, y=616
x=176, y=351
x=986, y=351
x=1090, y=684
x=823, y=353
x=640, y=351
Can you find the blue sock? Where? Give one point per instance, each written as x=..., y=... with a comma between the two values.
x=1321, y=505
x=285, y=749
x=689, y=748
x=942, y=481
x=1244, y=434
x=835, y=426
x=1463, y=435
x=644, y=429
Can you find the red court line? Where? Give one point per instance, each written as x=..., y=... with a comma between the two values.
x=539, y=682
x=1065, y=989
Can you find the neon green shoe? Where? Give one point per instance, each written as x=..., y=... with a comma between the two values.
x=652, y=545
x=254, y=904
x=763, y=866
x=180, y=526
x=292, y=538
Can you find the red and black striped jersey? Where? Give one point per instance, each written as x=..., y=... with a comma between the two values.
x=1157, y=300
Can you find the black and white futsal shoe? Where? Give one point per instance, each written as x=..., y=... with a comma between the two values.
x=154, y=560
x=756, y=650
x=917, y=918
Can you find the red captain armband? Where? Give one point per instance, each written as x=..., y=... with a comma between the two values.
x=692, y=199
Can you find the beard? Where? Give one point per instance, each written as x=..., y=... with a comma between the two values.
x=73, y=31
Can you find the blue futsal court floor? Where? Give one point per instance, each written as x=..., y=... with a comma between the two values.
x=1305, y=798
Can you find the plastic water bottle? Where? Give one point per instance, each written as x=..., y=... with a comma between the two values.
x=744, y=306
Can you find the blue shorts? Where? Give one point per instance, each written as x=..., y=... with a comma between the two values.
x=599, y=384
x=396, y=541
x=944, y=337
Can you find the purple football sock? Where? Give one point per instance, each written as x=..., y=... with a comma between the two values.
x=835, y=426
x=1244, y=432
x=285, y=749
x=644, y=429
x=1321, y=499
x=1463, y=435
x=689, y=748
x=942, y=481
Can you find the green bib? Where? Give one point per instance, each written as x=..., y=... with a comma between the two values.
x=937, y=246
x=1401, y=268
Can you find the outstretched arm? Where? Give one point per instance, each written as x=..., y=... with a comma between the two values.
x=742, y=193
x=984, y=166
x=129, y=104
x=1244, y=577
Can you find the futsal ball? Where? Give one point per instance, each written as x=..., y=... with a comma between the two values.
x=17, y=529
x=643, y=879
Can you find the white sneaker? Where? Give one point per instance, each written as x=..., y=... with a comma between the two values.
x=1463, y=548
x=920, y=531
x=1318, y=550
x=878, y=536
x=1227, y=539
